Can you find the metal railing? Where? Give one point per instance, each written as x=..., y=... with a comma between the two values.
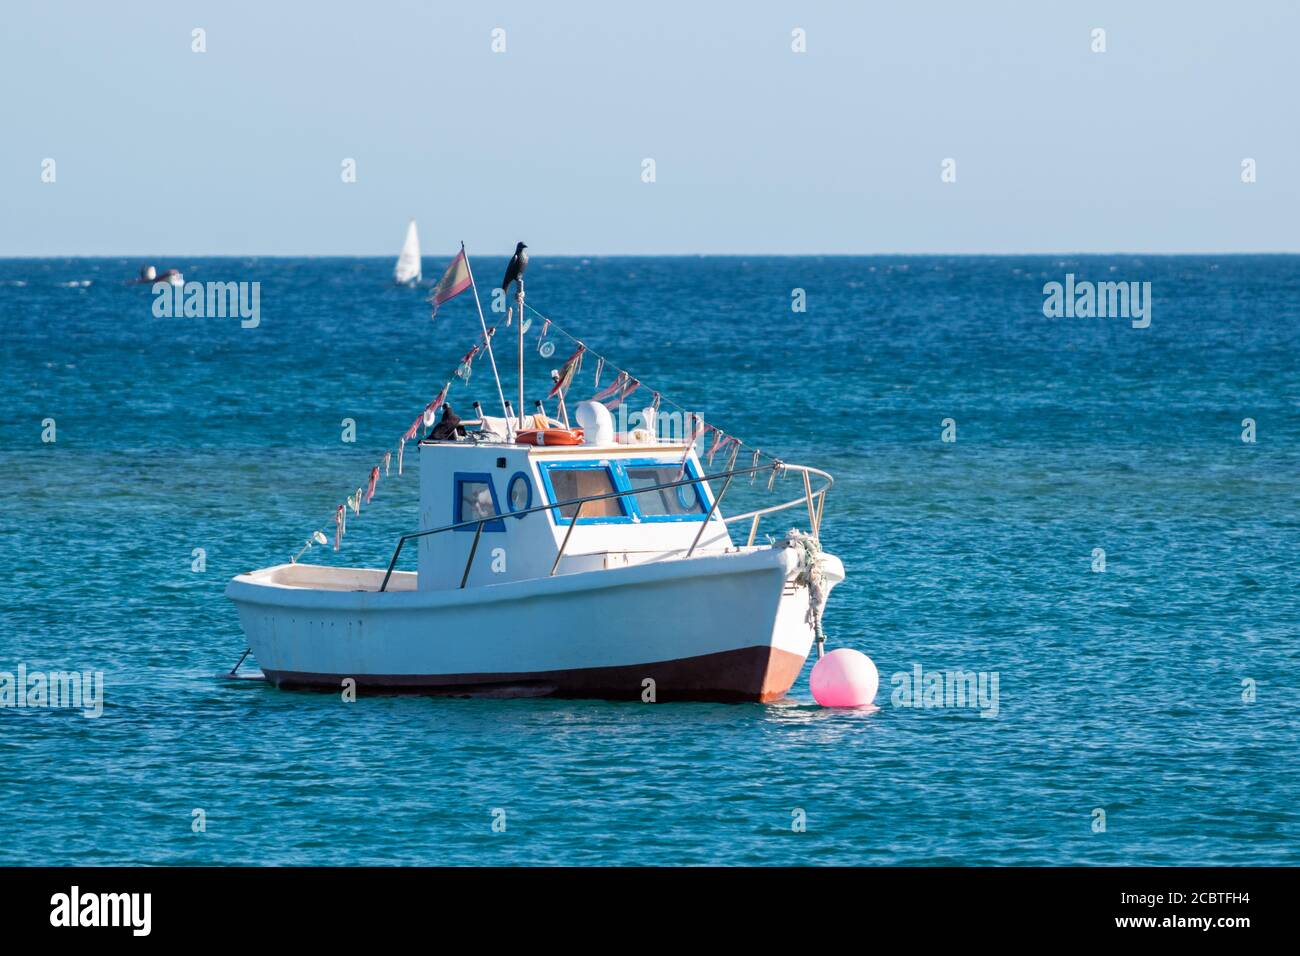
x=814, y=512
x=815, y=499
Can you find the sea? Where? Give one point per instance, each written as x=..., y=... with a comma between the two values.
x=1099, y=517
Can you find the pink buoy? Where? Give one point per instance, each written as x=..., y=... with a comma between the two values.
x=844, y=678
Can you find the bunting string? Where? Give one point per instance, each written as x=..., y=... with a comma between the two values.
x=623, y=386
x=426, y=417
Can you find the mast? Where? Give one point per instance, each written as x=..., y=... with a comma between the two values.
x=519, y=300
x=487, y=339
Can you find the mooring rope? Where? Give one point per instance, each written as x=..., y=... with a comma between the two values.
x=811, y=574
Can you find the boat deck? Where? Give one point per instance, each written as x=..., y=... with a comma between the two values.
x=319, y=577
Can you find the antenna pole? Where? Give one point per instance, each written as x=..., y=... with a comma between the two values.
x=519, y=298
x=486, y=338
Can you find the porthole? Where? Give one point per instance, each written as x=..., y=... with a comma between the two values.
x=519, y=493
x=686, y=497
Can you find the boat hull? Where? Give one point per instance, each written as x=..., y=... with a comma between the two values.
x=746, y=674
x=726, y=627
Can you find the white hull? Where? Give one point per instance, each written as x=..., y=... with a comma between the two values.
x=723, y=625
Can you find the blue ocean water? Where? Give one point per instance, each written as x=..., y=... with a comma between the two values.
x=1127, y=691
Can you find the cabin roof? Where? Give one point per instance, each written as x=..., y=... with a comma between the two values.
x=561, y=451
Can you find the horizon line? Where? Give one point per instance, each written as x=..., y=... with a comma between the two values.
x=648, y=255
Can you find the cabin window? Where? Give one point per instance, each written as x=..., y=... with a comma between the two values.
x=519, y=493
x=568, y=482
x=476, y=498
x=666, y=502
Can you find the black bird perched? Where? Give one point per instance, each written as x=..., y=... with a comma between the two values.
x=448, y=427
x=515, y=271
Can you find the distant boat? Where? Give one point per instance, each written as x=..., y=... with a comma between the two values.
x=149, y=276
x=407, y=271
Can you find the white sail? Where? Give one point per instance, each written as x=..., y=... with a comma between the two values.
x=408, y=263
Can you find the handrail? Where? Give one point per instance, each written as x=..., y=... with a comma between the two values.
x=478, y=533
x=793, y=502
x=578, y=502
x=478, y=523
x=713, y=509
x=814, y=499
x=573, y=523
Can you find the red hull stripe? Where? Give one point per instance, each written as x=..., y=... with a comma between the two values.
x=749, y=674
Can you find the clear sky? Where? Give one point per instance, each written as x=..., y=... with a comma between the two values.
x=757, y=149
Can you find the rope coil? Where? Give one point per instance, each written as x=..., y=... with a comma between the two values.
x=810, y=574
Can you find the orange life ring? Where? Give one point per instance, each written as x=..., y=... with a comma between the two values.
x=549, y=436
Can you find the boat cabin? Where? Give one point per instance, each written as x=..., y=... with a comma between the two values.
x=464, y=481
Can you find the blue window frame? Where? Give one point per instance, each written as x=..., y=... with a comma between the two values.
x=473, y=494
x=576, y=479
x=520, y=486
x=684, y=503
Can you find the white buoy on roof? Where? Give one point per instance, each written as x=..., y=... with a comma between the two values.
x=844, y=678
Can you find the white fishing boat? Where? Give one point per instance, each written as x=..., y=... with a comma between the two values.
x=407, y=270
x=551, y=560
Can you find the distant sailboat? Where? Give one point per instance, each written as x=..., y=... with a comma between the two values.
x=408, y=263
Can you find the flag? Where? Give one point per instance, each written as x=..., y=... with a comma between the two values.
x=370, y=486
x=734, y=444
x=611, y=390
x=698, y=428
x=467, y=363
x=432, y=408
x=453, y=282
x=726, y=442
x=567, y=371
x=719, y=438
x=631, y=386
